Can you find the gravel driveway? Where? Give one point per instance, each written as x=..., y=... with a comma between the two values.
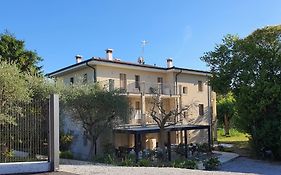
x=80, y=167
x=240, y=165
x=246, y=165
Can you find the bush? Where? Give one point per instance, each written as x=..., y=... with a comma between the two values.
x=144, y=163
x=129, y=160
x=212, y=163
x=66, y=155
x=65, y=141
x=110, y=159
x=180, y=149
x=188, y=164
x=204, y=148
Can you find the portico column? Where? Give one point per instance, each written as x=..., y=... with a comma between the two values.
x=143, y=108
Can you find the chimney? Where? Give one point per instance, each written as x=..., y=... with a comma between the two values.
x=109, y=54
x=169, y=62
x=141, y=60
x=78, y=58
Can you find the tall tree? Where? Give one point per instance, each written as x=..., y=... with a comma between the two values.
x=250, y=67
x=95, y=108
x=13, y=51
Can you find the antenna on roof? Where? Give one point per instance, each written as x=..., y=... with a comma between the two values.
x=143, y=44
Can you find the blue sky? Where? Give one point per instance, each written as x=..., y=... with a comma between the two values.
x=181, y=29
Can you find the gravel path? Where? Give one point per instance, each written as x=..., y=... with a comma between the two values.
x=246, y=165
x=80, y=167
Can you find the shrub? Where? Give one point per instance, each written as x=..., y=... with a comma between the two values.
x=180, y=149
x=66, y=155
x=212, y=163
x=204, y=148
x=188, y=164
x=110, y=159
x=144, y=163
x=129, y=160
x=65, y=141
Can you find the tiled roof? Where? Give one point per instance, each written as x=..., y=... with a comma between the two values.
x=124, y=63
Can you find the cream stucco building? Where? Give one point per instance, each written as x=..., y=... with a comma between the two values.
x=178, y=87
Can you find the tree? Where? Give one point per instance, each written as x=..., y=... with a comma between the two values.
x=250, y=68
x=165, y=118
x=226, y=110
x=13, y=51
x=95, y=108
x=13, y=90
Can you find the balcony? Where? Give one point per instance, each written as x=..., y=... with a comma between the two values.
x=133, y=87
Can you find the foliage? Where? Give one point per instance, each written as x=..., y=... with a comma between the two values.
x=65, y=141
x=129, y=160
x=66, y=155
x=180, y=149
x=188, y=164
x=226, y=110
x=212, y=163
x=144, y=163
x=110, y=159
x=95, y=108
x=13, y=90
x=250, y=68
x=204, y=148
x=13, y=51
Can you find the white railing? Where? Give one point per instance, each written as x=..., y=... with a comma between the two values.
x=145, y=87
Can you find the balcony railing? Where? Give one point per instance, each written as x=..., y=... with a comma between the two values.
x=145, y=87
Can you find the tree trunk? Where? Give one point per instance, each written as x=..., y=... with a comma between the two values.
x=226, y=125
x=92, y=148
x=162, y=138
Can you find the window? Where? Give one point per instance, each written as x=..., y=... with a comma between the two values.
x=137, y=107
x=85, y=78
x=111, y=84
x=184, y=90
x=137, y=81
x=200, y=86
x=201, y=109
x=123, y=81
x=160, y=84
x=71, y=80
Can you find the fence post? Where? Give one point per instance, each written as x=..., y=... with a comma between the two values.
x=54, y=132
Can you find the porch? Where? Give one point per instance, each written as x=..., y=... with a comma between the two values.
x=138, y=132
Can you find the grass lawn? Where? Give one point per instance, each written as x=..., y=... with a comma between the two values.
x=239, y=140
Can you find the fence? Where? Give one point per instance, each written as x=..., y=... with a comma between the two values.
x=25, y=135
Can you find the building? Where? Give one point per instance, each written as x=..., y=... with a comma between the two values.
x=178, y=87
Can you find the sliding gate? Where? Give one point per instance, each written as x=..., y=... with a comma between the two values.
x=29, y=136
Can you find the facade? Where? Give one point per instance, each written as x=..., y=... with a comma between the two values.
x=179, y=87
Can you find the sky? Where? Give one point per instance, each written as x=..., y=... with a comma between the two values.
x=180, y=29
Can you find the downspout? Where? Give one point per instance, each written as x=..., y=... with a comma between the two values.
x=95, y=76
x=177, y=74
x=176, y=91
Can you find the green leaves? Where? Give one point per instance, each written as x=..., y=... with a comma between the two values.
x=94, y=107
x=251, y=69
x=13, y=51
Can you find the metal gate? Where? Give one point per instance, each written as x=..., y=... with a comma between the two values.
x=29, y=136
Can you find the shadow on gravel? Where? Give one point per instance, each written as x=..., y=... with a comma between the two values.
x=246, y=165
x=56, y=173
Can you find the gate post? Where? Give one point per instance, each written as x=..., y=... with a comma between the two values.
x=54, y=132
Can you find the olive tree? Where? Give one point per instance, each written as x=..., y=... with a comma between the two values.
x=95, y=108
